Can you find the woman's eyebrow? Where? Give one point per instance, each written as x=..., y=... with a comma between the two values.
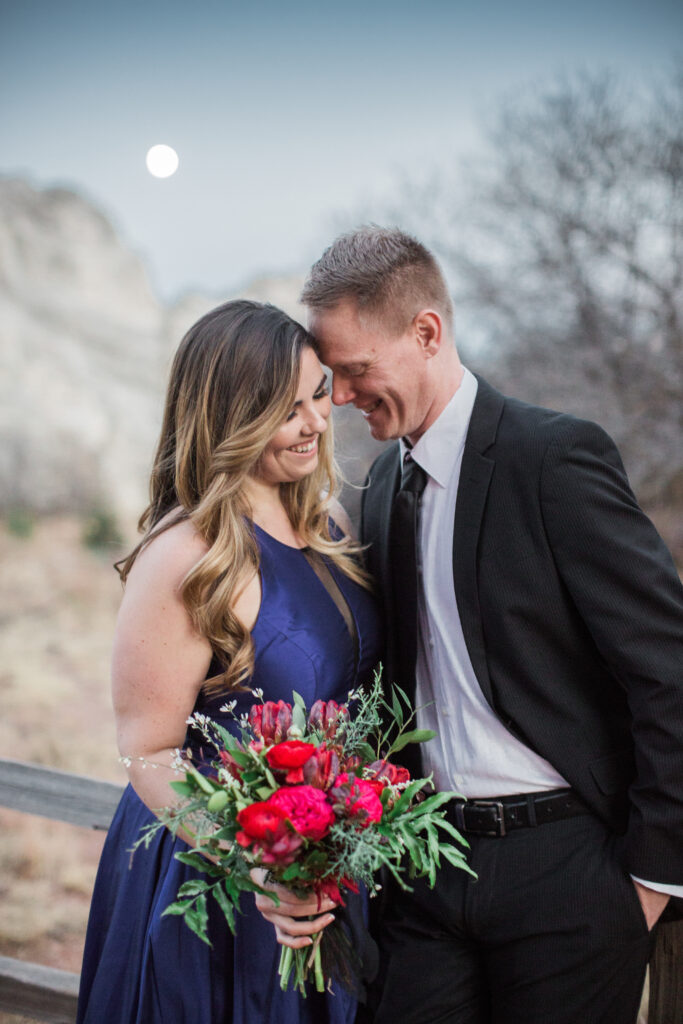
x=323, y=380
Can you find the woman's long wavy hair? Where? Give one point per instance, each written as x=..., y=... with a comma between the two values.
x=233, y=383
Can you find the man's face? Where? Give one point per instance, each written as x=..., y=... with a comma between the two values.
x=381, y=373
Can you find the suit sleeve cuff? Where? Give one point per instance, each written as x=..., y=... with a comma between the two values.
x=670, y=890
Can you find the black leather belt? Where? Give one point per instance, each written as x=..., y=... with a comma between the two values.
x=496, y=816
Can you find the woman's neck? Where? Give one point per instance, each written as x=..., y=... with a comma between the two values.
x=268, y=512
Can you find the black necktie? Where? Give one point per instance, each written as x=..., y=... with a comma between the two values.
x=405, y=569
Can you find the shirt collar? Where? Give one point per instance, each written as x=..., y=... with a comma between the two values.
x=439, y=447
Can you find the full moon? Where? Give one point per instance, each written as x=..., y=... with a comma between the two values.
x=162, y=161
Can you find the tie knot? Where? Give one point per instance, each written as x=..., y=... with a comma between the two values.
x=413, y=477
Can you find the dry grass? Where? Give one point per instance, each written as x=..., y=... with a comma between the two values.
x=58, y=605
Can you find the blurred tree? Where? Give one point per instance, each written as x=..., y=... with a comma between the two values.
x=567, y=256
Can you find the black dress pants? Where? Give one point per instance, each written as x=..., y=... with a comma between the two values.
x=552, y=932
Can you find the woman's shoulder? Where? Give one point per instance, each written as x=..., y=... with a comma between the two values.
x=169, y=555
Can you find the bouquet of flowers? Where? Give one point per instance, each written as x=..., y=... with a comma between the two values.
x=311, y=796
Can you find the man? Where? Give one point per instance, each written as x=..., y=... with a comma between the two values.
x=544, y=633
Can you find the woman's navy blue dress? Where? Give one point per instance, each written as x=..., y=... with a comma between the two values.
x=142, y=968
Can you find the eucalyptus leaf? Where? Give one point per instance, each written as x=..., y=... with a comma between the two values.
x=183, y=788
x=457, y=859
x=225, y=903
x=432, y=803
x=397, y=709
x=299, y=718
x=195, y=860
x=197, y=919
x=193, y=888
x=176, y=909
x=452, y=831
x=416, y=736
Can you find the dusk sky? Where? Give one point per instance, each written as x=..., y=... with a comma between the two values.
x=285, y=117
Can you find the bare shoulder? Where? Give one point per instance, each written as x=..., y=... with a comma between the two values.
x=154, y=629
x=341, y=517
x=166, y=560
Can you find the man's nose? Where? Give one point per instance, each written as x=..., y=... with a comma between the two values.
x=342, y=392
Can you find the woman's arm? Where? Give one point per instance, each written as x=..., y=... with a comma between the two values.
x=159, y=663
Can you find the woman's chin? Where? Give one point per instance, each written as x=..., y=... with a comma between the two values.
x=295, y=473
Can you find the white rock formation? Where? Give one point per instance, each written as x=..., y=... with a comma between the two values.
x=84, y=353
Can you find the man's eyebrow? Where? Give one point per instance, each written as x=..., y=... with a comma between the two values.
x=323, y=381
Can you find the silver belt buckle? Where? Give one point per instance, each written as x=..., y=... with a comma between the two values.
x=500, y=819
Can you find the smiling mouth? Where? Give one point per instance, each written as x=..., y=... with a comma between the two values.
x=304, y=449
x=371, y=408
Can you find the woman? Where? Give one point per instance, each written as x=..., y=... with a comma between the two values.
x=241, y=581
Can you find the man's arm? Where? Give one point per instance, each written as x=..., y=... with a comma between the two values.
x=624, y=584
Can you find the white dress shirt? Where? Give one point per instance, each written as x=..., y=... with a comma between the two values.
x=472, y=751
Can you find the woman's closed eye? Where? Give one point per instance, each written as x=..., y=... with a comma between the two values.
x=322, y=392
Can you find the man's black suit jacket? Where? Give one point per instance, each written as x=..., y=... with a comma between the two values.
x=572, y=612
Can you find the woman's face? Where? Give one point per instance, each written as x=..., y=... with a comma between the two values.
x=292, y=452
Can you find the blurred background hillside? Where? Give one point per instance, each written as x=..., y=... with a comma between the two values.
x=539, y=153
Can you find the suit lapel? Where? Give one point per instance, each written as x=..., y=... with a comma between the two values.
x=475, y=477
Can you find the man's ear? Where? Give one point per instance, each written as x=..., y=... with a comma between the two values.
x=428, y=327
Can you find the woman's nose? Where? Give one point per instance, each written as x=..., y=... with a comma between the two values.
x=315, y=422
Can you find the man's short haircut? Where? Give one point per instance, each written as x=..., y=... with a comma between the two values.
x=390, y=275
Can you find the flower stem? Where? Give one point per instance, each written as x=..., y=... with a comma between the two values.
x=286, y=958
x=316, y=961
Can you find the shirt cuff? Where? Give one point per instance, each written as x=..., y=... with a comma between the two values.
x=670, y=890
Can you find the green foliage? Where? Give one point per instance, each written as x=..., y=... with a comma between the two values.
x=101, y=531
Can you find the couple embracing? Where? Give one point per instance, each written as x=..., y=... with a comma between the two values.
x=516, y=591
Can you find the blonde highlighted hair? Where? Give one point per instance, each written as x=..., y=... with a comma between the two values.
x=233, y=383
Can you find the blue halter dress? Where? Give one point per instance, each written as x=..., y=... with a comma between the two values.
x=140, y=968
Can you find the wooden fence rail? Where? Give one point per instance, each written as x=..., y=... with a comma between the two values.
x=48, y=994
x=45, y=993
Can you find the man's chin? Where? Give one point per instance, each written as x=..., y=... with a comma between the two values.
x=382, y=432
x=380, y=425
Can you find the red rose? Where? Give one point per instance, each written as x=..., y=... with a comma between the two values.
x=360, y=798
x=289, y=757
x=259, y=821
x=376, y=784
x=265, y=830
x=270, y=721
x=306, y=808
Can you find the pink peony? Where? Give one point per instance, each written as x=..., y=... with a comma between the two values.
x=306, y=808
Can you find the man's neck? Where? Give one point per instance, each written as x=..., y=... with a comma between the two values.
x=449, y=380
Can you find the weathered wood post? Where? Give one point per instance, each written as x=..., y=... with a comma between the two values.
x=666, y=975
